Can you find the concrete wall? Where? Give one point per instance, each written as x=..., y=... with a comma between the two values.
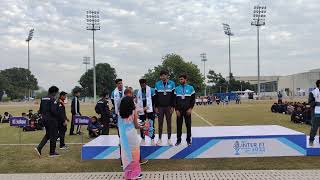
x=293, y=83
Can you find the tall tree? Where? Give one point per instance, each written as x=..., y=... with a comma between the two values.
x=105, y=76
x=20, y=81
x=220, y=84
x=176, y=65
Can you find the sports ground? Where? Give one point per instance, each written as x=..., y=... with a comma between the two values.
x=22, y=159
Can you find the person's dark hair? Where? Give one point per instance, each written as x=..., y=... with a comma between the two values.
x=126, y=107
x=163, y=72
x=94, y=117
x=104, y=94
x=184, y=76
x=76, y=90
x=318, y=83
x=128, y=90
x=142, y=81
x=6, y=113
x=117, y=80
x=23, y=114
x=53, y=90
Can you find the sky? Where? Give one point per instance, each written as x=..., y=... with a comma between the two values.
x=136, y=34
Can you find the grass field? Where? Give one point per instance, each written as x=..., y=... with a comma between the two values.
x=18, y=159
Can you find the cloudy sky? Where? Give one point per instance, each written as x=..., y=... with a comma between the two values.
x=135, y=34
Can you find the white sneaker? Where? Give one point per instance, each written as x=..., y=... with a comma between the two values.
x=143, y=142
x=169, y=142
x=159, y=143
x=153, y=143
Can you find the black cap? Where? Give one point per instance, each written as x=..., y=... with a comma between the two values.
x=63, y=93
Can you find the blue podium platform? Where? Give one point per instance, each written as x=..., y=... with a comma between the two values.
x=211, y=142
x=315, y=150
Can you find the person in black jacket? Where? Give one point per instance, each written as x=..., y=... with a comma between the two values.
x=49, y=112
x=75, y=110
x=102, y=108
x=164, y=104
x=62, y=120
x=185, y=100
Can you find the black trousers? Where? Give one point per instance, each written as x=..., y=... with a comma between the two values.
x=315, y=124
x=187, y=117
x=62, y=133
x=165, y=111
x=72, y=127
x=51, y=134
x=105, y=121
x=143, y=118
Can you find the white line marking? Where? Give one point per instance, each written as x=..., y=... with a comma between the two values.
x=203, y=119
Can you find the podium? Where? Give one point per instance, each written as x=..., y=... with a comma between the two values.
x=212, y=142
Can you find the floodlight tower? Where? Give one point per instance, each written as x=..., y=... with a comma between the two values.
x=227, y=31
x=86, y=61
x=29, y=38
x=259, y=15
x=204, y=59
x=93, y=24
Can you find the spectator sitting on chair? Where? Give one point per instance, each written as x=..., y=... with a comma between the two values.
x=6, y=117
x=94, y=127
x=274, y=108
x=297, y=116
x=30, y=113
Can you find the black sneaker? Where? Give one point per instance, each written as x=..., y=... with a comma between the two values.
x=311, y=143
x=178, y=143
x=37, y=151
x=55, y=154
x=144, y=161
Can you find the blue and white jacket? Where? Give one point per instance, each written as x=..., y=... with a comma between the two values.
x=185, y=97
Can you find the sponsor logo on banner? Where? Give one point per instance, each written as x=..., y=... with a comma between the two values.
x=249, y=147
x=19, y=121
x=81, y=120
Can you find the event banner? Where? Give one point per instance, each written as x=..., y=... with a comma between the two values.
x=19, y=121
x=81, y=120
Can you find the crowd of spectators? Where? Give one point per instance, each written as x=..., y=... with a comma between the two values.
x=299, y=112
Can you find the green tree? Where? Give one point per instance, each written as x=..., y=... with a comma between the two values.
x=220, y=84
x=3, y=83
x=19, y=81
x=105, y=76
x=176, y=65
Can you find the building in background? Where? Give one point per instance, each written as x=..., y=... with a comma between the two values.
x=299, y=84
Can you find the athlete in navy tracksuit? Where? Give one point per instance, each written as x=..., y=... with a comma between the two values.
x=185, y=100
x=164, y=103
x=49, y=112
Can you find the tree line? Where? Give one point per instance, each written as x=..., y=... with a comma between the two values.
x=16, y=82
x=175, y=65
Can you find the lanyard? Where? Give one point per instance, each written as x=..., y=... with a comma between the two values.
x=165, y=88
x=183, y=90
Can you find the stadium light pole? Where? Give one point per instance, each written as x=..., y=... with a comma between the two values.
x=29, y=38
x=204, y=59
x=227, y=31
x=259, y=15
x=93, y=24
x=86, y=61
